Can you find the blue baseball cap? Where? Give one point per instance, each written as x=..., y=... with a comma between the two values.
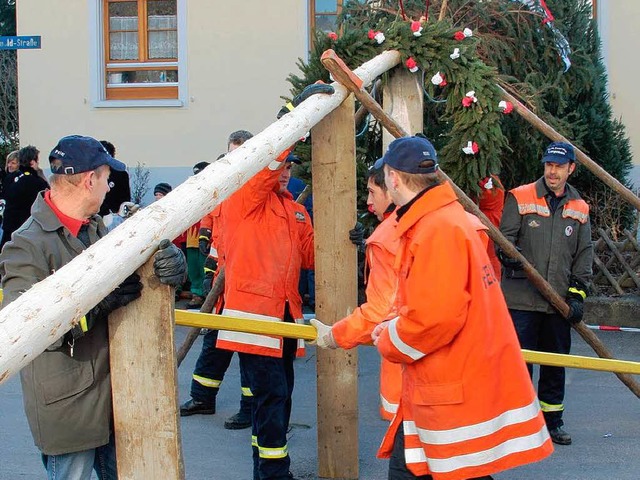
x=293, y=159
x=560, y=153
x=407, y=153
x=79, y=154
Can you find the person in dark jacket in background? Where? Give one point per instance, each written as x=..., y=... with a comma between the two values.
x=21, y=192
x=119, y=188
x=549, y=223
x=67, y=388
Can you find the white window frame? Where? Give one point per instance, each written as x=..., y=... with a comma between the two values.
x=97, y=63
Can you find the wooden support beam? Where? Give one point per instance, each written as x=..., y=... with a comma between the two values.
x=334, y=186
x=403, y=100
x=340, y=72
x=582, y=157
x=144, y=384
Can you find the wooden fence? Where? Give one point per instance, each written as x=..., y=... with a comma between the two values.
x=616, y=264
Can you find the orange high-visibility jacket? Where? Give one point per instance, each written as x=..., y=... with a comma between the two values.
x=468, y=408
x=266, y=239
x=382, y=285
x=491, y=203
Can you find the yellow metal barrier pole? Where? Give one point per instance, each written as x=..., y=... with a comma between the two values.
x=307, y=332
x=586, y=363
x=264, y=327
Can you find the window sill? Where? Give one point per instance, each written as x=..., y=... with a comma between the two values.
x=137, y=103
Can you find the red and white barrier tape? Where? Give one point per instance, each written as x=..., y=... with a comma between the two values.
x=613, y=329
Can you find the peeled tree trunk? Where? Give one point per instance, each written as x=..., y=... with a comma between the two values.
x=50, y=308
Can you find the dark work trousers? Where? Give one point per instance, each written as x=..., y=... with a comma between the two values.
x=210, y=368
x=546, y=332
x=398, y=466
x=271, y=381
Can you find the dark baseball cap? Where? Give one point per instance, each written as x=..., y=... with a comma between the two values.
x=198, y=167
x=407, y=153
x=81, y=154
x=560, y=153
x=293, y=159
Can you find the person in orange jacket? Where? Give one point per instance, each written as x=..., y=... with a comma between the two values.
x=491, y=203
x=267, y=239
x=213, y=362
x=355, y=329
x=468, y=408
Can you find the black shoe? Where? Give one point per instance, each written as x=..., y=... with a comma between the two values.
x=559, y=436
x=239, y=421
x=193, y=407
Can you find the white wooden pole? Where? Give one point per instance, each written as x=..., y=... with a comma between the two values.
x=46, y=311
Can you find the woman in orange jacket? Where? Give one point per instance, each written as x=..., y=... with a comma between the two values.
x=468, y=408
x=382, y=284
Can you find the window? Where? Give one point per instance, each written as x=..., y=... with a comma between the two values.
x=140, y=49
x=323, y=16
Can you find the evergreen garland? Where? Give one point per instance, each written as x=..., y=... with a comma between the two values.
x=511, y=46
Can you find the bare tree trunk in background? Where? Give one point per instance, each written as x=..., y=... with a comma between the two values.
x=8, y=100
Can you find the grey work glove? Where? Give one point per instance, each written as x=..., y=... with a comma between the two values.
x=169, y=264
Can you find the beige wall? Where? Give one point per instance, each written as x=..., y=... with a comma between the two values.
x=239, y=55
x=618, y=21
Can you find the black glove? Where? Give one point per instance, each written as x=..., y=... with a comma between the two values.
x=302, y=96
x=210, y=267
x=204, y=241
x=169, y=264
x=356, y=235
x=124, y=293
x=507, y=261
x=576, y=308
x=575, y=299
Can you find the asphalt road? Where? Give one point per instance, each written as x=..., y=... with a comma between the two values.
x=602, y=415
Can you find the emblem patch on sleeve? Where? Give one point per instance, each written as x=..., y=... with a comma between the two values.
x=300, y=216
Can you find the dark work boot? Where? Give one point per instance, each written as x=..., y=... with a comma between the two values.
x=559, y=436
x=193, y=407
x=242, y=419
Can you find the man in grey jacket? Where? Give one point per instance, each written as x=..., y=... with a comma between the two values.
x=549, y=223
x=67, y=389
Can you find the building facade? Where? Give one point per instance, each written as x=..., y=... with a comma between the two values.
x=166, y=81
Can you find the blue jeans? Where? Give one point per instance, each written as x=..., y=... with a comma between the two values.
x=78, y=465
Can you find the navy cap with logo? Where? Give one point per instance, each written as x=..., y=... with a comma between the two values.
x=293, y=159
x=79, y=154
x=406, y=154
x=560, y=153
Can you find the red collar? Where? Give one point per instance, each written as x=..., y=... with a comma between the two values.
x=71, y=224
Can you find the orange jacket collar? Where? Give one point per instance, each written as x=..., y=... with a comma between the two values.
x=432, y=200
